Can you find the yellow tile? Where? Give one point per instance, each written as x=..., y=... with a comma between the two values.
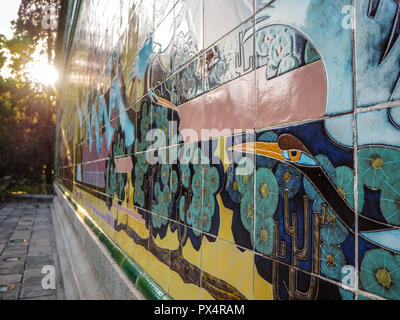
x=223, y=261
x=157, y=269
x=263, y=290
x=179, y=290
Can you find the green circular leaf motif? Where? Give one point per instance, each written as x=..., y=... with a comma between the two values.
x=390, y=202
x=174, y=181
x=247, y=211
x=264, y=235
x=288, y=179
x=185, y=170
x=333, y=232
x=197, y=185
x=244, y=175
x=377, y=164
x=267, y=192
x=332, y=261
x=345, y=186
x=380, y=274
x=211, y=180
x=165, y=171
x=182, y=210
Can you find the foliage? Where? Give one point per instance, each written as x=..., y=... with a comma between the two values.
x=27, y=109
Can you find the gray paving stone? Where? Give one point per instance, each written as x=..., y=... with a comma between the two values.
x=30, y=221
x=21, y=235
x=50, y=297
x=39, y=251
x=40, y=242
x=12, y=270
x=4, y=238
x=12, y=261
x=32, y=284
x=10, y=278
x=8, y=225
x=33, y=262
x=17, y=246
x=11, y=221
x=17, y=253
x=11, y=295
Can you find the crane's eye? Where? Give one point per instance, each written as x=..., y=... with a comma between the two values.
x=294, y=155
x=299, y=157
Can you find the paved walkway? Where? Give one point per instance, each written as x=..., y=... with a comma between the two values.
x=27, y=244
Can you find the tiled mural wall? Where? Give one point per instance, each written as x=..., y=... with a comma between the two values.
x=240, y=149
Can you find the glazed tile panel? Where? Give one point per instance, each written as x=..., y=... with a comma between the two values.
x=249, y=157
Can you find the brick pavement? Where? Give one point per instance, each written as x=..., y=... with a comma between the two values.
x=26, y=246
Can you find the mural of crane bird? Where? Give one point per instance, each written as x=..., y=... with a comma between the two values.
x=373, y=9
x=291, y=151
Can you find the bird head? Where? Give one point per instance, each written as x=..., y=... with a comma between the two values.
x=287, y=149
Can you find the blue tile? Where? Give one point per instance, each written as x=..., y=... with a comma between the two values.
x=379, y=127
x=321, y=22
x=234, y=13
x=188, y=40
x=292, y=193
x=377, y=51
x=231, y=57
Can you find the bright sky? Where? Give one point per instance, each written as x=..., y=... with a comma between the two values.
x=38, y=68
x=8, y=12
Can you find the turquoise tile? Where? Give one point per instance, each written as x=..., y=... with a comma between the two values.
x=377, y=51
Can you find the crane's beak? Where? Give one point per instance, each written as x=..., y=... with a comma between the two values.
x=166, y=103
x=266, y=149
x=162, y=102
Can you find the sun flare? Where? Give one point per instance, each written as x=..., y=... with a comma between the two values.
x=41, y=71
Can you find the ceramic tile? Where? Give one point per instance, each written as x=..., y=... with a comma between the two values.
x=191, y=120
x=235, y=12
x=187, y=207
x=187, y=83
x=379, y=127
x=146, y=20
x=291, y=78
x=138, y=65
x=185, y=271
x=161, y=127
x=378, y=271
x=144, y=119
x=273, y=280
x=140, y=247
x=142, y=181
x=231, y=57
x=333, y=44
x=221, y=280
x=164, y=43
x=188, y=40
x=377, y=51
x=233, y=102
x=297, y=222
x=234, y=203
x=378, y=160
x=160, y=257
x=161, y=9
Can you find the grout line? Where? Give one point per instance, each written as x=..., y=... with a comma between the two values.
x=355, y=146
